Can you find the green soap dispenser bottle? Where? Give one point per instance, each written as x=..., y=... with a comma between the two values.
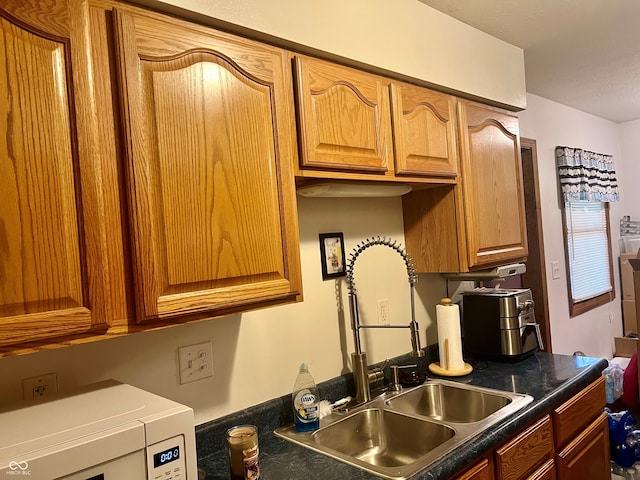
x=305, y=401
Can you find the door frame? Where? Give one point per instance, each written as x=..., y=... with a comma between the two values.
x=535, y=277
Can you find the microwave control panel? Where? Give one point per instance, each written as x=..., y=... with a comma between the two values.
x=166, y=460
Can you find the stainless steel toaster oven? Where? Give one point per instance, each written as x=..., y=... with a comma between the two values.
x=499, y=324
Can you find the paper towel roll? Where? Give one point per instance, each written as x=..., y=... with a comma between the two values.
x=449, y=339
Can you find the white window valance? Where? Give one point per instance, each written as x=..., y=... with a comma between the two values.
x=586, y=175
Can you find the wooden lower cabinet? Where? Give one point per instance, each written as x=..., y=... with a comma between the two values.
x=523, y=455
x=588, y=455
x=569, y=443
x=482, y=470
x=545, y=472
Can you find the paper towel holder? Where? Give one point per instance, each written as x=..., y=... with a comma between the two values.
x=438, y=368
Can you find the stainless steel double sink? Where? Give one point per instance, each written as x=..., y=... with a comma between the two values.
x=396, y=435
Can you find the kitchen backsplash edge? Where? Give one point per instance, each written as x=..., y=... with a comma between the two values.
x=269, y=415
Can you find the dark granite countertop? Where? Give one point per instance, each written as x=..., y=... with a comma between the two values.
x=550, y=379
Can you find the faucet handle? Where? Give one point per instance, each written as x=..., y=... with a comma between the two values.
x=395, y=385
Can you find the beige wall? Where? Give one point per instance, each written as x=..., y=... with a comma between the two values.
x=552, y=124
x=403, y=36
x=256, y=355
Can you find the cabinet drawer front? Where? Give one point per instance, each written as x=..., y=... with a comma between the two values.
x=579, y=411
x=527, y=451
x=545, y=472
x=588, y=456
x=483, y=470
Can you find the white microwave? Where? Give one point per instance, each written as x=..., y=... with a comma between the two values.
x=105, y=431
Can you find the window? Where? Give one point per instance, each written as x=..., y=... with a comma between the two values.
x=588, y=253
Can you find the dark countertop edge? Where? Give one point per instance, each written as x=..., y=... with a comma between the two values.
x=464, y=456
x=476, y=447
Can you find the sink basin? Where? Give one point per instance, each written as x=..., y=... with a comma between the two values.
x=398, y=434
x=383, y=438
x=450, y=403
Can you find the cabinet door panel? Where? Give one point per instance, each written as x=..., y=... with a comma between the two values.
x=344, y=117
x=482, y=470
x=545, y=472
x=492, y=185
x=588, y=455
x=44, y=273
x=424, y=131
x=206, y=158
x=575, y=414
x=526, y=452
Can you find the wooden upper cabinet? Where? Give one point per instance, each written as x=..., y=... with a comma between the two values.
x=493, y=194
x=424, y=131
x=52, y=266
x=344, y=121
x=209, y=139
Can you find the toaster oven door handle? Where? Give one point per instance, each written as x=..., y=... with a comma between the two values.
x=538, y=334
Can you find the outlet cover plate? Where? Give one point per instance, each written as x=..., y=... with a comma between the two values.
x=195, y=362
x=39, y=386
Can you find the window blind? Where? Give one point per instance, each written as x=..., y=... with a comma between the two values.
x=588, y=249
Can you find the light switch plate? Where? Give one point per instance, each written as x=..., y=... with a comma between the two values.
x=555, y=270
x=195, y=362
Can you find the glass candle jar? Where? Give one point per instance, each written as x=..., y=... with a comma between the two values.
x=242, y=441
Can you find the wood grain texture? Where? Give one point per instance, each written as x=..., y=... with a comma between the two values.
x=492, y=185
x=588, y=455
x=344, y=119
x=573, y=415
x=424, y=131
x=208, y=148
x=51, y=16
x=527, y=452
x=50, y=277
x=545, y=472
x=482, y=470
x=430, y=229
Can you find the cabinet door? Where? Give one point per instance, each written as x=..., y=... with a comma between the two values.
x=527, y=452
x=576, y=413
x=209, y=136
x=588, y=455
x=424, y=131
x=344, y=117
x=493, y=194
x=545, y=472
x=482, y=470
x=53, y=276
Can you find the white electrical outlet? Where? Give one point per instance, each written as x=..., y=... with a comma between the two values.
x=40, y=386
x=383, y=311
x=555, y=270
x=195, y=362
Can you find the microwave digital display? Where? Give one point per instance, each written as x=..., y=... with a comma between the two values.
x=166, y=456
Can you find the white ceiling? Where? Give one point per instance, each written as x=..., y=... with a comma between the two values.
x=581, y=53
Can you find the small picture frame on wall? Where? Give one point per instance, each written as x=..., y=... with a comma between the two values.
x=332, y=255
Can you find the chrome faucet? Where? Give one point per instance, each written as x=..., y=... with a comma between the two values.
x=361, y=374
